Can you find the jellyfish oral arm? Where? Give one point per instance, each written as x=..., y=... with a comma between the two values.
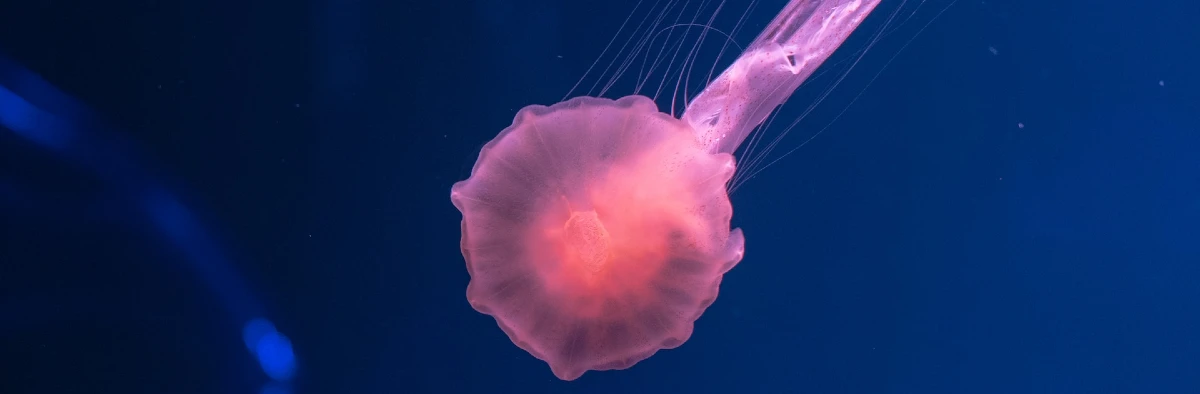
x=786, y=53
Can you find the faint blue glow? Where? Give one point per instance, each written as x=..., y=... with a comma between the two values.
x=35, y=110
x=29, y=122
x=273, y=349
x=274, y=353
x=254, y=330
x=180, y=227
x=15, y=112
x=171, y=217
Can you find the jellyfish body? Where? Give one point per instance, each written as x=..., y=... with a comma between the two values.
x=596, y=232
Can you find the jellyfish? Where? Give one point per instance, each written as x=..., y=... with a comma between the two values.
x=597, y=231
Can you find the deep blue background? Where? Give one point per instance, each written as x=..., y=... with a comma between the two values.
x=924, y=243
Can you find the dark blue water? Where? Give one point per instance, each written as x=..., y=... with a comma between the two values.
x=253, y=197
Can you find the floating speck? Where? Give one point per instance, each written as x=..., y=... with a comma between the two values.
x=993, y=50
x=1161, y=83
x=1020, y=125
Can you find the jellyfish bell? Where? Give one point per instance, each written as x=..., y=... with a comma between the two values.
x=596, y=231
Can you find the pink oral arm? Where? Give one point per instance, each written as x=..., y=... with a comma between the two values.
x=786, y=53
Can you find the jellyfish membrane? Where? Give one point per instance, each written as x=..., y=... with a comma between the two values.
x=596, y=232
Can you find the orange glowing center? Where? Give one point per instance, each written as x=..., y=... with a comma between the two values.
x=588, y=240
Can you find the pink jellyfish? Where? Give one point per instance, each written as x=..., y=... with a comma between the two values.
x=596, y=231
